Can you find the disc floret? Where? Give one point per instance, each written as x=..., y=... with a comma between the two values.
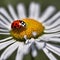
x=29, y=27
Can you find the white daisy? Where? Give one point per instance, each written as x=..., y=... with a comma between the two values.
x=26, y=33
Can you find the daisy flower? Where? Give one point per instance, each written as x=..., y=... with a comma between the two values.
x=27, y=32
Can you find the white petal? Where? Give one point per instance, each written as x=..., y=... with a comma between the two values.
x=53, y=19
x=4, y=20
x=51, y=37
x=40, y=45
x=49, y=54
x=19, y=55
x=3, y=30
x=54, y=24
x=47, y=13
x=54, y=49
x=26, y=48
x=2, y=40
x=5, y=44
x=4, y=25
x=34, y=34
x=34, y=10
x=53, y=30
x=34, y=51
x=12, y=12
x=54, y=40
x=9, y=51
x=32, y=40
x=21, y=11
x=5, y=33
x=4, y=12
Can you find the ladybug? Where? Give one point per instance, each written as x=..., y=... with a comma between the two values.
x=17, y=24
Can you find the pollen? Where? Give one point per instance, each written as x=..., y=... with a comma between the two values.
x=33, y=29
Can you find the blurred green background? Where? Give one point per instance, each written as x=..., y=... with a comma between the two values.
x=44, y=4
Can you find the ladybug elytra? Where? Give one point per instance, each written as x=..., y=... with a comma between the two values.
x=17, y=24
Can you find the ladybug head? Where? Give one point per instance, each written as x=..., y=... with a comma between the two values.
x=17, y=24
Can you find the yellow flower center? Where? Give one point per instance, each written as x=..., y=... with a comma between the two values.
x=33, y=29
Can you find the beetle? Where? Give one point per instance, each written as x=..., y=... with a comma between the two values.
x=17, y=24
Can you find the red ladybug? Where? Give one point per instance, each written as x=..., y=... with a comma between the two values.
x=17, y=24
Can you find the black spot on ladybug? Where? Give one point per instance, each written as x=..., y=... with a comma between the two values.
x=18, y=26
x=14, y=26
